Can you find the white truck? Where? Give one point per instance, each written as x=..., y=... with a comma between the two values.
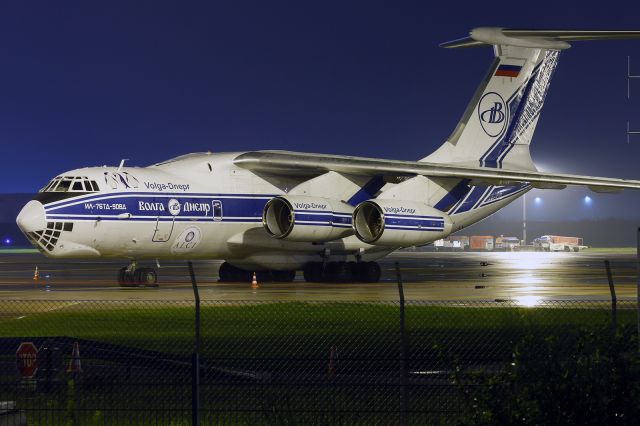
x=446, y=244
x=558, y=243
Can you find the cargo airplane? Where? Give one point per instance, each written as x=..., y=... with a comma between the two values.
x=330, y=216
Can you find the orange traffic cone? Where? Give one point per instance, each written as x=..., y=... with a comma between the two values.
x=36, y=275
x=254, y=282
x=74, y=361
x=333, y=361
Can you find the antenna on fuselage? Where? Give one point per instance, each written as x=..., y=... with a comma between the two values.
x=122, y=163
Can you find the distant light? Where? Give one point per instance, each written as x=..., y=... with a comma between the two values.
x=7, y=241
x=538, y=200
x=587, y=200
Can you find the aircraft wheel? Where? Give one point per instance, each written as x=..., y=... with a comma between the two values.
x=339, y=272
x=147, y=277
x=230, y=274
x=369, y=272
x=227, y=272
x=314, y=272
x=224, y=272
x=122, y=276
x=126, y=278
x=353, y=271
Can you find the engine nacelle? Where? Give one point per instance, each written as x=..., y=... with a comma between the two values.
x=399, y=223
x=309, y=219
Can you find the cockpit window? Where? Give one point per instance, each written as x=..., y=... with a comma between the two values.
x=71, y=184
x=50, y=185
x=63, y=186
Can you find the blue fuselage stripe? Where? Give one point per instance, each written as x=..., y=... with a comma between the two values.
x=235, y=208
x=403, y=228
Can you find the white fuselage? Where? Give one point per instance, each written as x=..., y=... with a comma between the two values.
x=204, y=207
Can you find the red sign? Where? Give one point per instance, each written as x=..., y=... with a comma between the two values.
x=27, y=359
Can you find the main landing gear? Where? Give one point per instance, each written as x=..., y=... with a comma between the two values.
x=231, y=274
x=333, y=272
x=342, y=272
x=132, y=276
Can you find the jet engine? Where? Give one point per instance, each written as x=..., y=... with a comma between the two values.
x=308, y=219
x=399, y=223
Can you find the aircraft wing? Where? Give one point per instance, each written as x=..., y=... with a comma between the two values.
x=304, y=164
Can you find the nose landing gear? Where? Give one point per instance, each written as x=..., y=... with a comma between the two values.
x=132, y=276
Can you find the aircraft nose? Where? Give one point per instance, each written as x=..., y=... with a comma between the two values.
x=32, y=217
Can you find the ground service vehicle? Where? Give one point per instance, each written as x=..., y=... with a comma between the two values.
x=558, y=243
x=506, y=243
x=481, y=242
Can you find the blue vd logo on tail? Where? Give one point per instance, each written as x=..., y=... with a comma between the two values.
x=492, y=112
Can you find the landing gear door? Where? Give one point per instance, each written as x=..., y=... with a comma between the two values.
x=216, y=209
x=163, y=230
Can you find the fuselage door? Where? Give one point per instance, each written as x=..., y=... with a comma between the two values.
x=216, y=210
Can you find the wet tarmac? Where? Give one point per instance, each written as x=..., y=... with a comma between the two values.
x=527, y=278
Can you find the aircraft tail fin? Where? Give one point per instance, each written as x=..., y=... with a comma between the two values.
x=498, y=125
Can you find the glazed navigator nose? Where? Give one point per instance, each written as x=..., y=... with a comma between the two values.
x=32, y=217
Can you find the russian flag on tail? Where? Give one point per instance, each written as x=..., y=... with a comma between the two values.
x=505, y=70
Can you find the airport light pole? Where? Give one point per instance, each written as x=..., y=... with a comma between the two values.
x=524, y=220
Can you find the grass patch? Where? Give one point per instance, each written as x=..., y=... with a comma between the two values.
x=4, y=250
x=238, y=330
x=291, y=341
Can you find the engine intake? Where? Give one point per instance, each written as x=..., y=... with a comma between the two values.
x=309, y=219
x=399, y=223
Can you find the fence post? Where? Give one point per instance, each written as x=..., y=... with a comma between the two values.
x=403, y=351
x=195, y=359
x=638, y=285
x=48, y=365
x=614, y=299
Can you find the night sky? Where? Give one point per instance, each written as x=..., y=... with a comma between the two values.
x=89, y=83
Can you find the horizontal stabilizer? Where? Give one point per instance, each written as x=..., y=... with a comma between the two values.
x=545, y=39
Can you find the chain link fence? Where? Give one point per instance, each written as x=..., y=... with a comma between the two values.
x=128, y=362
